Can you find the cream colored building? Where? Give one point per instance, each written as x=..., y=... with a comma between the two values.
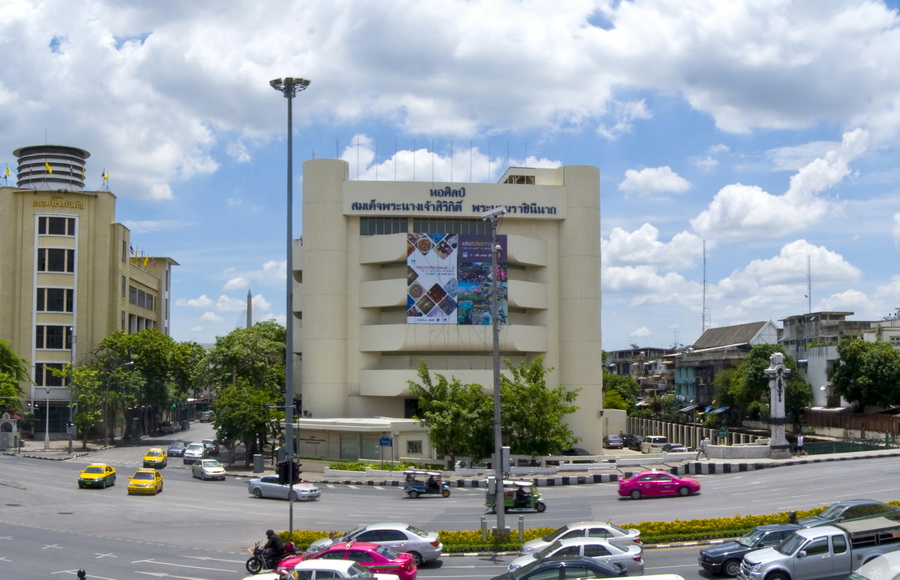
x=361, y=325
x=67, y=276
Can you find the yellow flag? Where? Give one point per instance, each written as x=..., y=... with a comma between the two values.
x=49, y=170
x=8, y=172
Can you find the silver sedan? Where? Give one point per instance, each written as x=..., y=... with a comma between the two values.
x=208, y=469
x=603, y=550
x=268, y=486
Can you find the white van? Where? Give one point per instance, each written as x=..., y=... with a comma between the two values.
x=653, y=444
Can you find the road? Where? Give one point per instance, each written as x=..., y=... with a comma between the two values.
x=201, y=530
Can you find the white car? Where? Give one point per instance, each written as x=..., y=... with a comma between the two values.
x=604, y=531
x=653, y=444
x=601, y=550
x=423, y=546
x=268, y=486
x=194, y=452
x=208, y=469
x=320, y=569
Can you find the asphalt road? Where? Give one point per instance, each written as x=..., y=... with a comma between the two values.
x=202, y=529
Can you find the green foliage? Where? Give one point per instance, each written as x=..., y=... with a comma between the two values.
x=749, y=388
x=455, y=415
x=620, y=389
x=868, y=373
x=13, y=372
x=533, y=415
x=242, y=412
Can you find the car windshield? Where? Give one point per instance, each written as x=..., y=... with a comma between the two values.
x=548, y=551
x=154, y=454
x=417, y=531
x=358, y=571
x=386, y=552
x=93, y=469
x=143, y=475
x=553, y=536
x=195, y=446
x=211, y=463
x=790, y=544
x=751, y=538
x=353, y=533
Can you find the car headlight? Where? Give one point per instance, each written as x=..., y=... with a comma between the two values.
x=514, y=567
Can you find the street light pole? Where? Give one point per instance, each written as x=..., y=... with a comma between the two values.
x=289, y=87
x=493, y=215
x=47, y=421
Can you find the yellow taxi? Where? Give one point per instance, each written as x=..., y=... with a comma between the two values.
x=147, y=481
x=155, y=457
x=97, y=475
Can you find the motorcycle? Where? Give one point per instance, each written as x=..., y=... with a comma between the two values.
x=263, y=559
x=260, y=560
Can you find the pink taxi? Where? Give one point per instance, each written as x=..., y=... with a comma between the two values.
x=656, y=483
x=378, y=559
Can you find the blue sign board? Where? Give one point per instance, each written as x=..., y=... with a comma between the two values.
x=386, y=442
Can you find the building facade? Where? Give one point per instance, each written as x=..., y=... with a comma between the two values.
x=67, y=275
x=389, y=274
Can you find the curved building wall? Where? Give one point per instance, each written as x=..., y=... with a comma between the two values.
x=357, y=346
x=51, y=167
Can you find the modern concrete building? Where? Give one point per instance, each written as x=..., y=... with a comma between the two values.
x=390, y=273
x=67, y=276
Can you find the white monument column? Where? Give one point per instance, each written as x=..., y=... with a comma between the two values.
x=777, y=373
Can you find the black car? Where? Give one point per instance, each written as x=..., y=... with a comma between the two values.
x=636, y=442
x=567, y=567
x=176, y=449
x=849, y=509
x=726, y=558
x=627, y=439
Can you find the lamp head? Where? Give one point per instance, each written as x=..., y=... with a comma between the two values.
x=493, y=213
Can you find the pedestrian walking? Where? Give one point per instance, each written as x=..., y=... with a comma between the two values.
x=800, y=450
x=702, y=450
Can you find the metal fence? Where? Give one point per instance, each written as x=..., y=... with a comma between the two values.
x=850, y=445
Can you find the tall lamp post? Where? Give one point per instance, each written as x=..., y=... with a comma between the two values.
x=289, y=87
x=47, y=421
x=492, y=215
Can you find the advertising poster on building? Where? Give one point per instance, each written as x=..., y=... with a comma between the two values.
x=449, y=279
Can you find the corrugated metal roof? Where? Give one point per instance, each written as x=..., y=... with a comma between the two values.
x=739, y=334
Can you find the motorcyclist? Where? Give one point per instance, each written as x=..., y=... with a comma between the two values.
x=274, y=548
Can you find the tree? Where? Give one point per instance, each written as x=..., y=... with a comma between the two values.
x=620, y=392
x=242, y=412
x=13, y=372
x=868, y=373
x=457, y=416
x=533, y=415
x=750, y=386
x=87, y=398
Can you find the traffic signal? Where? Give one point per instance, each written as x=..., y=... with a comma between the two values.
x=295, y=471
x=284, y=472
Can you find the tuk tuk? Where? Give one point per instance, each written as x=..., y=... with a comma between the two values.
x=519, y=495
x=419, y=482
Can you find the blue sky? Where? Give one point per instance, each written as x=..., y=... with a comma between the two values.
x=767, y=129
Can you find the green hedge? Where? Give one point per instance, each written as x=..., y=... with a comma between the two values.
x=651, y=532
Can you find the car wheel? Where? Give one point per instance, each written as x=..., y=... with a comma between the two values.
x=414, y=494
x=683, y=491
x=202, y=476
x=257, y=493
x=292, y=496
x=635, y=494
x=540, y=507
x=776, y=576
x=160, y=488
x=731, y=567
x=445, y=493
x=80, y=485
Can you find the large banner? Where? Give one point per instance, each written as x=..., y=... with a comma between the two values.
x=449, y=279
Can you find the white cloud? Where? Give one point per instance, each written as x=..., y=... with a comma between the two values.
x=653, y=181
x=211, y=317
x=643, y=247
x=641, y=332
x=237, y=283
x=229, y=304
x=202, y=301
x=743, y=212
x=624, y=114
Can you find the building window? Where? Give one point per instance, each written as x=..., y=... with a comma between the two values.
x=414, y=447
x=381, y=226
x=122, y=321
x=56, y=226
x=55, y=300
x=43, y=375
x=141, y=298
x=53, y=336
x=410, y=408
x=451, y=226
x=124, y=286
x=56, y=260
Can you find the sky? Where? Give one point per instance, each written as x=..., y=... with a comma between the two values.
x=748, y=149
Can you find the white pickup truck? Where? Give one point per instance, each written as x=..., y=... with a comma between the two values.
x=824, y=552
